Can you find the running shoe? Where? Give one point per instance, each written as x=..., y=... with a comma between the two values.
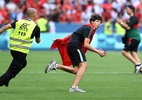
x=76, y=89
x=137, y=68
x=51, y=66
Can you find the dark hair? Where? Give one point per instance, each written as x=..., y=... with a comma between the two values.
x=131, y=7
x=95, y=17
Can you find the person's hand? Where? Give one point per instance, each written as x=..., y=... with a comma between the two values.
x=118, y=20
x=102, y=53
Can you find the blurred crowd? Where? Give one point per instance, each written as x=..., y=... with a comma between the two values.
x=68, y=11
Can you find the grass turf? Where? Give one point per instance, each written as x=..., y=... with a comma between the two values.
x=108, y=78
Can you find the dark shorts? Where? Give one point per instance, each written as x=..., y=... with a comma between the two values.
x=75, y=53
x=131, y=45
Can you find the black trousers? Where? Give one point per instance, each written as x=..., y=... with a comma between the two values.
x=17, y=64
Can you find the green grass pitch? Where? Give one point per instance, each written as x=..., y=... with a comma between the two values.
x=108, y=78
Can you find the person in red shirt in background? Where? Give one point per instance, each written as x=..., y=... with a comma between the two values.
x=66, y=5
x=63, y=16
x=78, y=14
x=138, y=13
x=4, y=16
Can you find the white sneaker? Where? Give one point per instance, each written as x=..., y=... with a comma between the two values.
x=76, y=89
x=51, y=66
x=137, y=68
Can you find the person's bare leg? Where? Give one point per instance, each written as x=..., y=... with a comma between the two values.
x=135, y=56
x=80, y=73
x=78, y=70
x=130, y=57
x=69, y=69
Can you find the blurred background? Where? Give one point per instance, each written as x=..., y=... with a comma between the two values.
x=58, y=18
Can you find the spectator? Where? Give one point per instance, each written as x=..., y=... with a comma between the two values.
x=108, y=27
x=98, y=9
x=16, y=2
x=107, y=6
x=98, y=1
x=48, y=6
x=2, y=3
x=116, y=5
x=63, y=16
x=66, y=5
x=19, y=13
x=106, y=15
x=85, y=17
x=52, y=28
x=54, y=15
x=4, y=16
x=114, y=15
x=118, y=29
x=11, y=6
x=89, y=6
x=78, y=14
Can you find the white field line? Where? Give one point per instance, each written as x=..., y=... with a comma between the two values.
x=53, y=72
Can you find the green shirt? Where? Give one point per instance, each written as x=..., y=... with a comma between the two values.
x=133, y=32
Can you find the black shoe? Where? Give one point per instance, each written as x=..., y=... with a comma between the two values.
x=140, y=72
x=6, y=84
x=1, y=84
x=137, y=68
